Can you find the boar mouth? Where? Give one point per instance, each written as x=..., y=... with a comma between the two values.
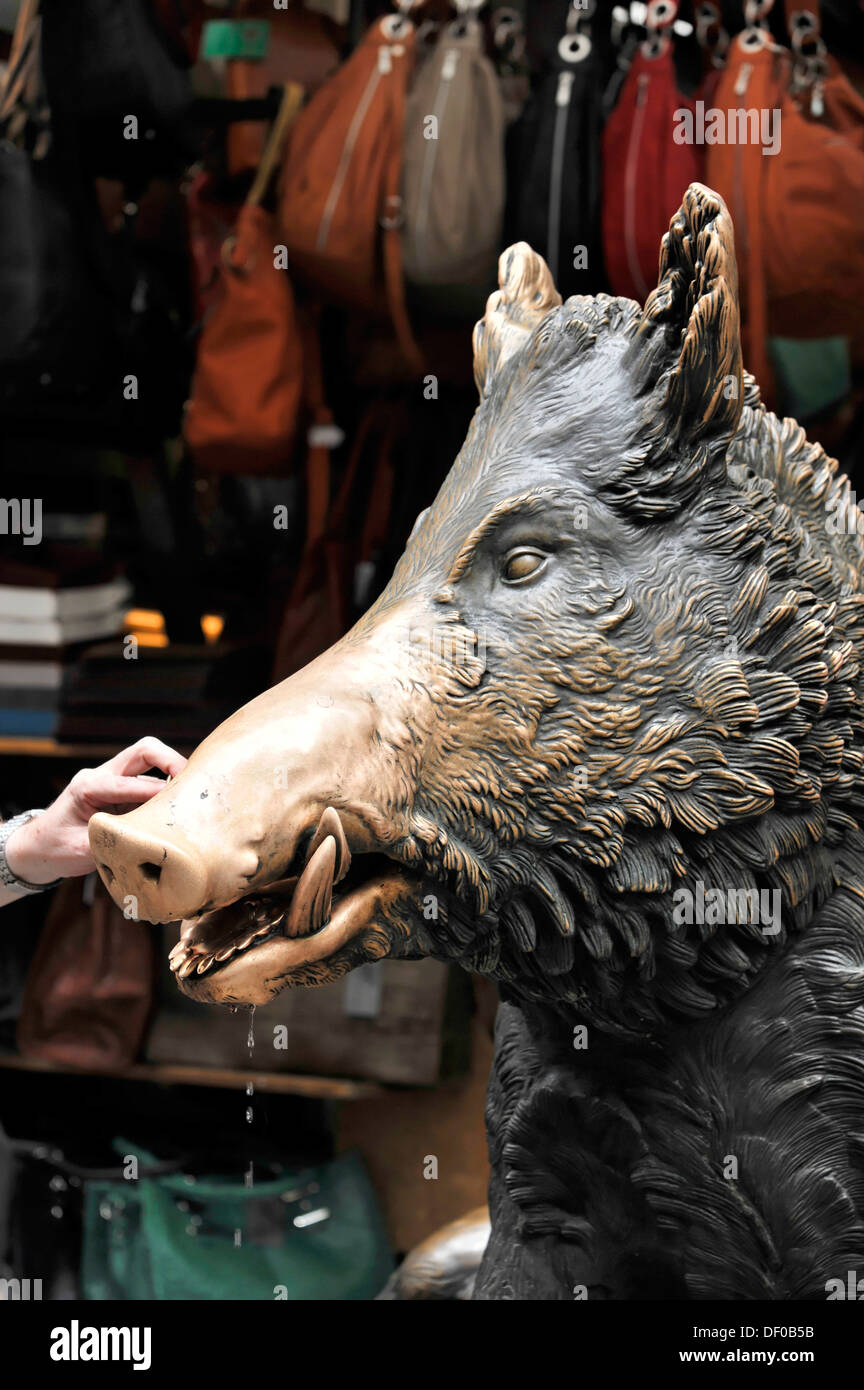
x=247, y=951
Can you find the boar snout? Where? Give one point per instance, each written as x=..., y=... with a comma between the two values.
x=285, y=845
x=150, y=875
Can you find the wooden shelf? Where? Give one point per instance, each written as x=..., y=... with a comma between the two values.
x=22, y=746
x=164, y=1074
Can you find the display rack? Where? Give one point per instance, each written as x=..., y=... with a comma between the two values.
x=223, y=1078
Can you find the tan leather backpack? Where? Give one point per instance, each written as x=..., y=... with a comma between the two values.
x=454, y=163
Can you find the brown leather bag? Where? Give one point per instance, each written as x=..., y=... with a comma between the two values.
x=89, y=989
x=798, y=213
x=320, y=608
x=341, y=204
x=248, y=385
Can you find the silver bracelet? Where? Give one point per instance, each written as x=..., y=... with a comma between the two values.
x=7, y=877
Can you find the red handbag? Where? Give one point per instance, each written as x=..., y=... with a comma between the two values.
x=645, y=170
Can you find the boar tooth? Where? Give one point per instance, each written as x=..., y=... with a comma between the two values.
x=310, y=906
x=205, y=965
x=330, y=824
x=223, y=955
x=187, y=967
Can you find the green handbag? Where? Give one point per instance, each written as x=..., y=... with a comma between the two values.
x=314, y=1233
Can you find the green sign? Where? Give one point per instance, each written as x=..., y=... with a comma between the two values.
x=235, y=38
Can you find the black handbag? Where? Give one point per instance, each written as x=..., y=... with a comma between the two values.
x=110, y=70
x=554, y=170
x=90, y=348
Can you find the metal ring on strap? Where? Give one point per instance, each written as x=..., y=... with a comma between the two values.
x=574, y=48
x=661, y=14
x=395, y=26
x=394, y=216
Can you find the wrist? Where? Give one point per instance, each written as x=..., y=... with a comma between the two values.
x=26, y=857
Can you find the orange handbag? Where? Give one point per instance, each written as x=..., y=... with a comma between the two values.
x=799, y=212
x=248, y=384
x=341, y=203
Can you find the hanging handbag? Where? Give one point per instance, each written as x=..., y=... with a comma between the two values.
x=341, y=204
x=554, y=168
x=312, y=1233
x=646, y=169
x=112, y=73
x=798, y=243
x=453, y=182
x=89, y=990
x=90, y=349
x=247, y=388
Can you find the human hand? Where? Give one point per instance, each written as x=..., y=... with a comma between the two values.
x=55, y=844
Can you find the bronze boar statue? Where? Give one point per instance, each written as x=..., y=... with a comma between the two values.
x=600, y=740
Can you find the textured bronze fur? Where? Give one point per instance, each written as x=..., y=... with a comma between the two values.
x=674, y=699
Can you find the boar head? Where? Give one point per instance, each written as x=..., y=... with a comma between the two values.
x=548, y=720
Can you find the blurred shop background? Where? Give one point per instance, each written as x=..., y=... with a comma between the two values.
x=243, y=244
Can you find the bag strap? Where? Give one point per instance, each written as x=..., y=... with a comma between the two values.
x=392, y=217
x=292, y=99
x=342, y=504
x=322, y=434
x=380, y=503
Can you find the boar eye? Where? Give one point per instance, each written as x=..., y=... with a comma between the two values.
x=523, y=564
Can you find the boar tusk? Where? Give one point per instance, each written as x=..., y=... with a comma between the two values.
x=310, y=906
x=330, y=824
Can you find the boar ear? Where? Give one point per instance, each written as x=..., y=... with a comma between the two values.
x=526, y=295
x=687, y=352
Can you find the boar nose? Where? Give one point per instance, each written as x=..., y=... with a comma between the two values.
x=167, y=882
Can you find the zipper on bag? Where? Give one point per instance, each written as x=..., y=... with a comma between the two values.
x=384, y=65
x=563, y=93
x=448, y=70
x=630, y=187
